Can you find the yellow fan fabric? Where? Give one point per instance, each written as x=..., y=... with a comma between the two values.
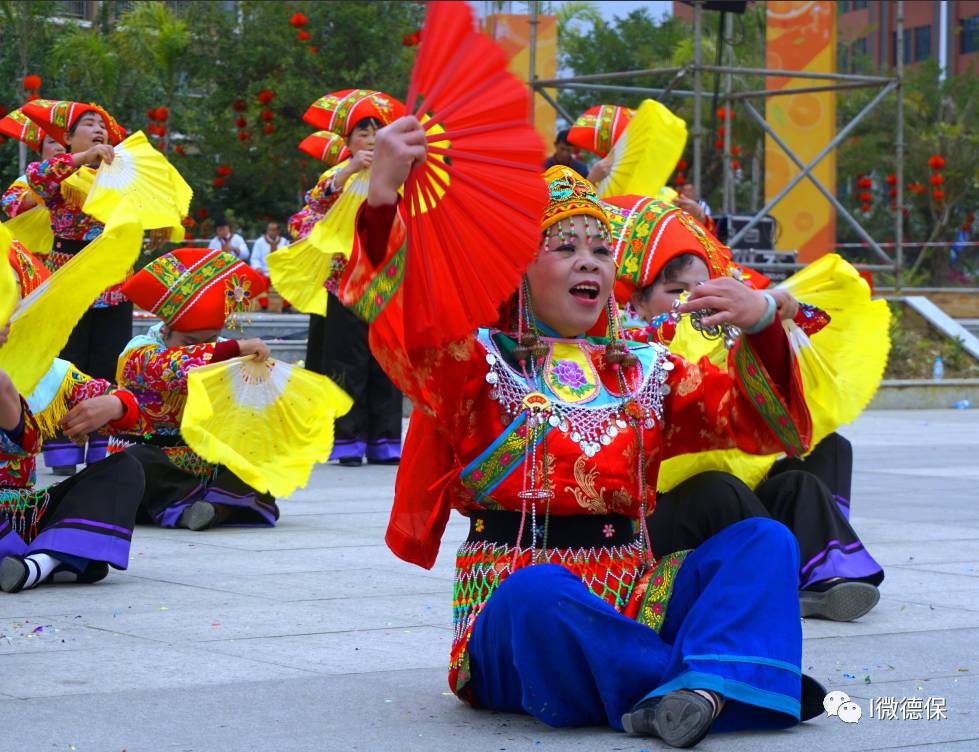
x=647, y=151
x=267, y=422
x=841, y=365
x=299, y=272
x=8, y=280
x=158, y=194
x=33, y=229
x=43, y=321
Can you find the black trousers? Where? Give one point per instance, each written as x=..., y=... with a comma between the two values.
x=170, y=490
x=338, y=348
x=707, y=503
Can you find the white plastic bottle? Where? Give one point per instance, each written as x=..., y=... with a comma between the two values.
x=938, y=370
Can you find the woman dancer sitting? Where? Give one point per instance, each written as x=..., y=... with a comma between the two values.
x=195, y=292
x=549, y=441
x=662, y=253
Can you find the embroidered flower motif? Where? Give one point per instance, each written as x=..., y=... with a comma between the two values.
x=608, y=530
x=477, y=475
x=569, y=374
x=480, y=525
x=505, y=458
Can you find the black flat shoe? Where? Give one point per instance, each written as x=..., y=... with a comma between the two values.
x=65, y=471
x=13, y=574
x=844, y=600
x=94, y=572
x=681, y=718
x=811, y=702
x=351, y=461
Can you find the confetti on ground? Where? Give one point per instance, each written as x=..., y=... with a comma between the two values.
x=866, y=679
x=848, y=676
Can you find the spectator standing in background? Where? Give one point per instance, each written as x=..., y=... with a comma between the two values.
x=226, y=239
x=564, y=155
x=271, y=241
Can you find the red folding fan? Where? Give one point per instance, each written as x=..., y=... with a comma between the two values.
x=474, y=206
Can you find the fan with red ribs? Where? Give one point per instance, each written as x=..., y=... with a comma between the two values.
x=474, y=206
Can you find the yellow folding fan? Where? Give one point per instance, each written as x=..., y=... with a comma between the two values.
x=43, y=321
x=33, y=229
x=645, y=154
x=8, y=281
x=268, y=422
x=841, y=365
x=158, y=194
x=299, y=272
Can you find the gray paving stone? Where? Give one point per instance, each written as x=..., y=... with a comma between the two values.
x=312, y=636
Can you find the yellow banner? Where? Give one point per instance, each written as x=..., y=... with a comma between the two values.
x=801, y=36
x=512, y=33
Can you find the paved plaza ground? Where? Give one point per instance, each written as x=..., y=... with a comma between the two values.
x=313, y=637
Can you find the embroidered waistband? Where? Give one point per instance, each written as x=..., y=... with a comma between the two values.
x=564, y=531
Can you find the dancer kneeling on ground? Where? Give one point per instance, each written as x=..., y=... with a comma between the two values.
x=838, y=577
x=72, y=531
x=550, y=441
x=194, y=292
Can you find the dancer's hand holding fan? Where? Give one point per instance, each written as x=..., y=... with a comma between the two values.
x=468, y=247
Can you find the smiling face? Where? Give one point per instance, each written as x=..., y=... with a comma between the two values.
x=571, y=278
x=669, y=285
x=50, y=148
x=88, y=130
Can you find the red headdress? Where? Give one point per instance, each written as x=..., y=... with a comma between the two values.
x=598, y=128
x=194, y=288
x=325, y=146
x=647, y=233
x=340, y=111
x=17, y=125
x=27, y=267
x=57, y=117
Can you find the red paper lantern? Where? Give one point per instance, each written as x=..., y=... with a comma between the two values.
x=866, y=208
x=239, y=105
x=936, y=162
x=241, y=122
x=32, y=83
x=178, y=149
x=736, y=150
x=681, y=166
x=866, y=197
x=938, y=194
x=721, y=131
x=188, y=222
x=298, y=20
x=865, y=183
x=202, y=214
x=936, y=180
x=966, y=227
x=892, y=192
x=267, y=115
x=265, y=96
x=162, y=113
x=891, y=179
x=244, y=135
x=722, y=113
x=719, y=144
x=223, y=170
x=218, y=182
x=681, y=179
x=313, y=49
x=412, y=39
x=268, y=128
x=303, y=35
x=735, y=164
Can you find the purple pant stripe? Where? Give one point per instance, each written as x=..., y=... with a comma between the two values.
x=84, y=544
x=92, y=523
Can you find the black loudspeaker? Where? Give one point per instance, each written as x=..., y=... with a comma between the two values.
x=728, y=6
x=760, y=237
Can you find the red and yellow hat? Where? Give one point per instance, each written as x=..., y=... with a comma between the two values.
x=194, y=288
x=17, y=125
x=325, y=146
x=598, y=128
x=57, y=117
x=27, y=267
x=569, y=194
x=340, y=111
x=648, y=233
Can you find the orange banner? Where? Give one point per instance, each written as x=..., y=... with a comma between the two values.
x=801, y=36
x=512, y=33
